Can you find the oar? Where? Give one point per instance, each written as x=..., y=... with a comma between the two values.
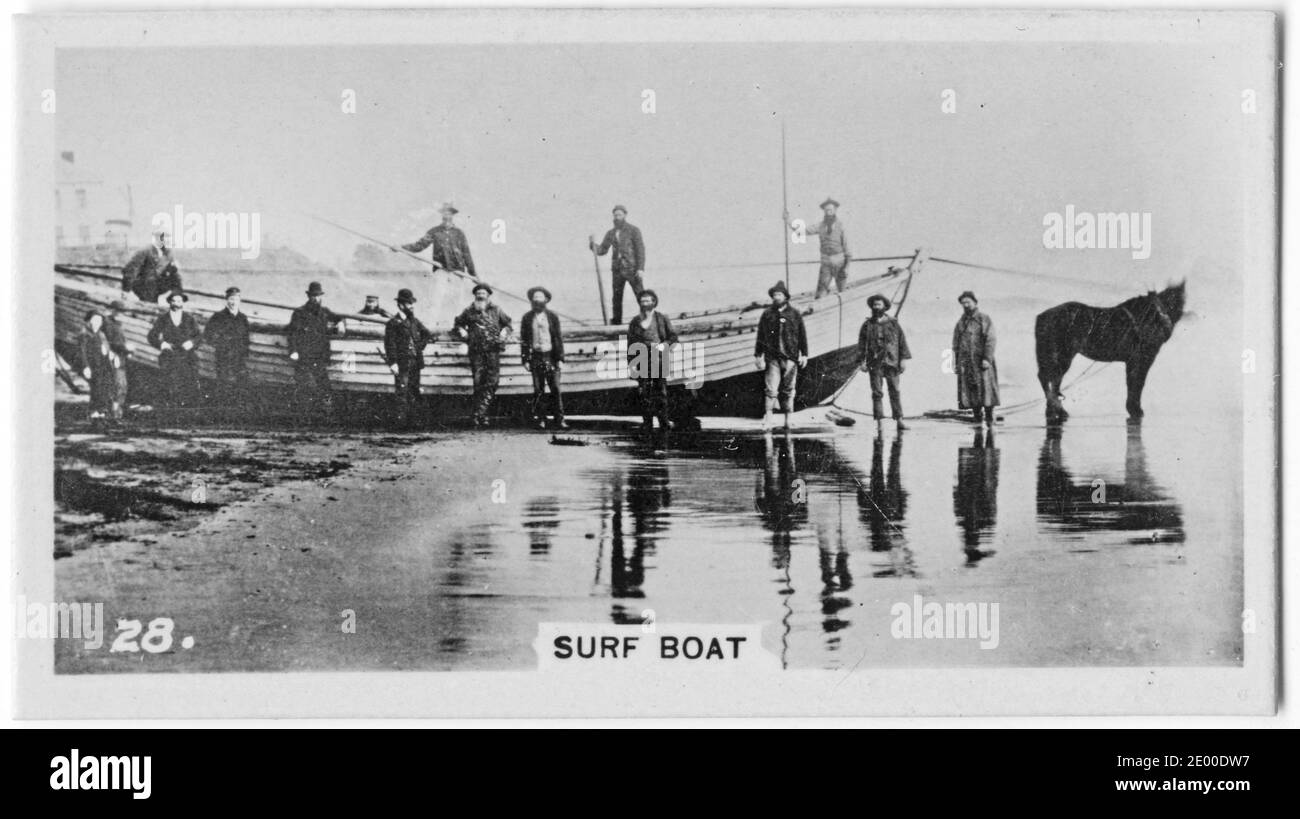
x=459, y=273
x=600, y=283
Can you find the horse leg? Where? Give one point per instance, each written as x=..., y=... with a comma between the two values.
x=1136, y=372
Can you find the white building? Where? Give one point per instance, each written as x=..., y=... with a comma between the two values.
x=89, y=213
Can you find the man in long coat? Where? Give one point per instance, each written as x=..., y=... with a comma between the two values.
x=227, y=332
x=973, y=346
x=103, y=361
x=309, y=348
x=176, y=334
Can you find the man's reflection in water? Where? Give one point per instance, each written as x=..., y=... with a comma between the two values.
x=975, y=497
x=646, y=496
x=541, y=519
x=1136, y=505
x=781, y=497
x=882, y=506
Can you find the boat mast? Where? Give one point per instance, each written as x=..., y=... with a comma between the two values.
x=785, y=211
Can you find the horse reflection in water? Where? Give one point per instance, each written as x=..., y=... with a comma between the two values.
x=975, y=497
x=643, y=494
x=1134, y=505
x=882, y=505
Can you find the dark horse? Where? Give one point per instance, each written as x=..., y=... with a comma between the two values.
x=1132, y=332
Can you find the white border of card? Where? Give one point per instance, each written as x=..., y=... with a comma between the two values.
x=646, y=690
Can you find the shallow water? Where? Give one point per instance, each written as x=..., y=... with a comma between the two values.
x=1101, y=544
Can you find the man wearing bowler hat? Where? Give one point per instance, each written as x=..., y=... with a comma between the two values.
x=882, y=355
x=450, y=247
x=542, y=347
x=309, y=348
x=176, y=334
x=835, y=255
x=973, y=346
x=628, y=265
x=780, y=349
x=405, y=338
x=486, y=329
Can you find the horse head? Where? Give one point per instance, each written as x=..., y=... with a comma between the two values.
x=1172, y=299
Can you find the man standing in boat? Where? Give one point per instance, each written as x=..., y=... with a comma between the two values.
x=628, y=264
x=227, y=332
x=835, y=255
x=450, y=247
x=780, y=349
x=882, y=355
x=650, y=337
x=309, y=348
x=151, y=273
x=973, y=347
x=405, y=338
x=176, y=334
x=486, y=329
x=542, y=347
x=372, y=308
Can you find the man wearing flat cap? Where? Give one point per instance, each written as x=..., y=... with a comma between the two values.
x=973, y=345
x=780, y=349
x=486, y=329
x=176, y=334
x=542, y=347
x=882, y=355
x=309, y=333
x=450, y=247
x=372, y=308
x=405, y=338
x=628, y=265
x=835, y=255
x=227, y=332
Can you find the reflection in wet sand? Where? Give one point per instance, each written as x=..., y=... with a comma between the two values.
x=642, y=493
x=1133, y=504
x=975, y=497
x=883, y=504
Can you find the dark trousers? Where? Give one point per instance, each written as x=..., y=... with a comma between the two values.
x=620, y=279
x=546, y=374
x=232, y=383
x=312, y=385
x=654, y=399
x=180, y=375
x=406, y=387
x=486, y=366
x=889, y=375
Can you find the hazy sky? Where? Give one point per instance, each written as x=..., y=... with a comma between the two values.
x=548, y=138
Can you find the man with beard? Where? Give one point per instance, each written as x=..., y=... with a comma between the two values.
x=542, y=347
x=628, y=265
x=309, y=348
x=450, y=247
x=405, y=338
x=973, y=347
x=650, y=337
x=176, y=334
x=486, y=329
x=780, y=349
x=835, y=256
x=882, y=355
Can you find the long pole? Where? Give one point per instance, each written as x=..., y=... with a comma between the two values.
x=459, y=273
x=785, y=211
x=600, y=283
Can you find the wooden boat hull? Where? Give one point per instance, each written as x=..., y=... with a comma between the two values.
x=714, y=371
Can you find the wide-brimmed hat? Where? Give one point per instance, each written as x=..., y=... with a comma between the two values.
x=879, y=297
x=617, y=208
x=968, y=295
x=314, y=289
x=539, y=289
x=232, y=291
x=779, y=286
x=448, y=207
x=403, y=296
x=481, y=286
x=652, y=294
x=829, y=201
x=174, y=293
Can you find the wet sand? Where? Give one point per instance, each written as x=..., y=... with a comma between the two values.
x=449, y=548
